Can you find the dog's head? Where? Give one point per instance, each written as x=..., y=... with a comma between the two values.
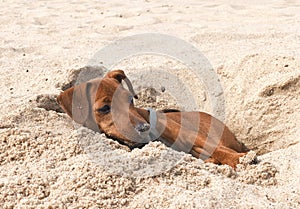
x=105, y=105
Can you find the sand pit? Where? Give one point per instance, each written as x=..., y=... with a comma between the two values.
x=48, y=161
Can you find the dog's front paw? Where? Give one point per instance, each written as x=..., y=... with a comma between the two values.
x=234, y=160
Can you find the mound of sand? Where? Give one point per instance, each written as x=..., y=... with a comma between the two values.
x=48, y=161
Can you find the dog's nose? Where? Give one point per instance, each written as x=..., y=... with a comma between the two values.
x=142, y=127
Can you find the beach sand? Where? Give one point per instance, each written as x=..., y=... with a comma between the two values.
x=48, y=161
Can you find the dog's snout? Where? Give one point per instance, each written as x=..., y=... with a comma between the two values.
x=142, y=127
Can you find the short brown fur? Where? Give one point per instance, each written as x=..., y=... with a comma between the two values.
x=210, y=139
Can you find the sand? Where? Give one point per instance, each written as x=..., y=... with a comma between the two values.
x=48, y=161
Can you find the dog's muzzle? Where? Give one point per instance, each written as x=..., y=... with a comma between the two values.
x=142, y=127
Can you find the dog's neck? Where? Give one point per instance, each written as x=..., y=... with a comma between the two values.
x=154, y=134
x=152, y=117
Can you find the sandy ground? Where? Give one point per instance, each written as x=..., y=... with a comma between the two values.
x=47, y=161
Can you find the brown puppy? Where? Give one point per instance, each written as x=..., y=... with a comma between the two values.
x=104, y=105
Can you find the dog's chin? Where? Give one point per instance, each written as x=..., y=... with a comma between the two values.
x=136, y=140
x=143, y=137
x=140, y=138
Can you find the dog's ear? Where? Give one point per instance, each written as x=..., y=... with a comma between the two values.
x=75, y=102
x=119, y=75
x=64, y=99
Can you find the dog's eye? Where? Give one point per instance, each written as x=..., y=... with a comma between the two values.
x=130, y=98
x=105, y=109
